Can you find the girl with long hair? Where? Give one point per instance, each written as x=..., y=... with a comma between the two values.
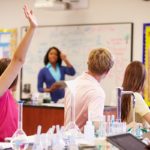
x=134, y=78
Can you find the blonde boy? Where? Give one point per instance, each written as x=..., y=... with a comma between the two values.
x=90, y=97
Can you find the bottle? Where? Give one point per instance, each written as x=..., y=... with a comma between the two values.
x=89, y=130
x=102, y=127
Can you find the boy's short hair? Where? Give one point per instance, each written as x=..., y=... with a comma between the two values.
x=100, y=61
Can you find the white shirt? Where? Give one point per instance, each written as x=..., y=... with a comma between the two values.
x=89, y=97
x=141, y=109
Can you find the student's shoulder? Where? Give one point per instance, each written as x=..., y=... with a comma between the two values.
x=96, y=90
x=138, y=95
x=100, y=92
x=138, y=98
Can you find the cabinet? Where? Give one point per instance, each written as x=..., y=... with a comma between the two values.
x=46, y=116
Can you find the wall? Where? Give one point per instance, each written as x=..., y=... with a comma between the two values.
x=99, y=11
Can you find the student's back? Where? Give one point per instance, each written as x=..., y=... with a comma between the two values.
x=134, y=78
x=89, y=96
x=8, y=115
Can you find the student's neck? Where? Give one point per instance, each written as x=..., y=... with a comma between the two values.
x=96, y=76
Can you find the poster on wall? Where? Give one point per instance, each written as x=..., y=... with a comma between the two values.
x=8, y=42
x=146, y=60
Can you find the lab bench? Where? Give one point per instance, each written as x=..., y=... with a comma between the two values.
x=47, y=115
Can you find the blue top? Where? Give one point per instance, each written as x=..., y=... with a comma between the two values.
x=46, y=77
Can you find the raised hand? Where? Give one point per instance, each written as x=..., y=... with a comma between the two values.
x=63, y=56
x=29, y=15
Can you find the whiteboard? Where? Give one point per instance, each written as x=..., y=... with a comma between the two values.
x=76, y=41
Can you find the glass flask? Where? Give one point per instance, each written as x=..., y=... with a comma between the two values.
x=71, y=128
x=19, y=139
x=72, y=125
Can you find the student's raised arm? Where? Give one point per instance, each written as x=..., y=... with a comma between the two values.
x=19, y=56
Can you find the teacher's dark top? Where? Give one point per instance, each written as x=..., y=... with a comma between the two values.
x=46, y=77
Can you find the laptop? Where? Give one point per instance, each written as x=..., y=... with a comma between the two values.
x=127, y=142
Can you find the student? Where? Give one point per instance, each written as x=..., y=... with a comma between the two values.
x=8, y=78
x=89, y=95
x=54, y=71
x=134, y=79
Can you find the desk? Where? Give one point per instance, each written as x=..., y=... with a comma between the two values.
x=48, y=115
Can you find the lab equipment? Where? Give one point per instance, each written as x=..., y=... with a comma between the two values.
x=19, y=139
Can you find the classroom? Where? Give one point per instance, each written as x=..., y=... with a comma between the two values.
x=117, y=25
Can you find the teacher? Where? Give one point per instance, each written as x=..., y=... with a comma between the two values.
x=54, y=71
